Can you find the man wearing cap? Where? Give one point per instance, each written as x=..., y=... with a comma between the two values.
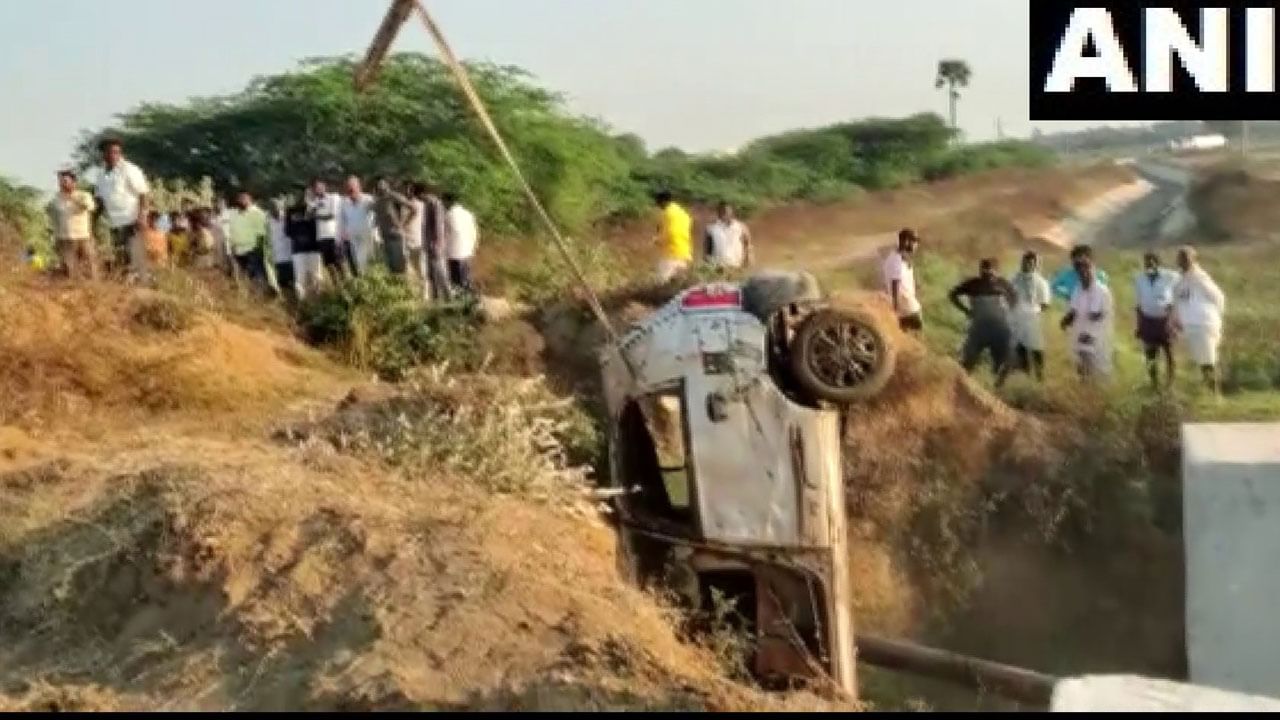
x=900, y=282
x=71, y=217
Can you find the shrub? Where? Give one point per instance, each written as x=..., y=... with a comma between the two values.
x=541, y=278
x=379, y=323
x=510, y=436
x=164, y=314
x=987, y=156
x=20, y=209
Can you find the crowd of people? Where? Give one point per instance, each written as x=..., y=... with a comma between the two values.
x=294, y=246
x=1006, y=315
x=429, y=238
x=291, y=246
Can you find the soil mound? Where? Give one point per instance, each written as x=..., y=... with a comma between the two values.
x=314, y=573
x=72, y=350
x=1236, y=205
x=274, y=579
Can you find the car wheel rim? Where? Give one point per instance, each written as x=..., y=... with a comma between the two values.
x=843, y=355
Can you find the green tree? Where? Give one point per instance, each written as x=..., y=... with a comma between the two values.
x=412, y=122
x=285, y=129
x=953, y=75
x=22, y=219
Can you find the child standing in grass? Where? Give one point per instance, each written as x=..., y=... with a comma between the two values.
x=179, y=239
x=155, y=243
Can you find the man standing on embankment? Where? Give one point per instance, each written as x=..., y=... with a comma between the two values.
x=990, y=299
x=900, y=282
x=675, y=238
x=71, y=217
x=123, y=196
x=1199, y=306
x=1027, y=318
x=1154, y=288
x=1090, y=321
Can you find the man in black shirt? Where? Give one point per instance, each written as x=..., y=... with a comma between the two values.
x=990, y=299
x=308, y=262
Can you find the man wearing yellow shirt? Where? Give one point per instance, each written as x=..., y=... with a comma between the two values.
x=675, y=238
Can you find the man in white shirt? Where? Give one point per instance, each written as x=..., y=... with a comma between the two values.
x=1154, y=290
x=1198, y=307
x=413, y=238
x=282, y=252
x=462, y=236
x=1090, y=321
x=122, y=192
x=324, y=207
x=222, y=235
x=355, y=226
x=728, y=241
x=1032, y=297
x=900, y=282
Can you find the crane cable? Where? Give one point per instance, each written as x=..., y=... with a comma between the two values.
x=464, y=80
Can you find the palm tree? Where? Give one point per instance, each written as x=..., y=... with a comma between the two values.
x=953, y=75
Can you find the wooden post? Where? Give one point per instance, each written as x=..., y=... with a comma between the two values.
x=397, y=15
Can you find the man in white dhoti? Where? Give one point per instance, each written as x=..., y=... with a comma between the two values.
x=1198, y=307
x=1090, y=321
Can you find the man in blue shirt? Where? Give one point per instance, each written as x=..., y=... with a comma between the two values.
x=1065, y=282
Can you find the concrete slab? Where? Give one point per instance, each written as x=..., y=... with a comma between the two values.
x=1119, y=693
x=1231, y=491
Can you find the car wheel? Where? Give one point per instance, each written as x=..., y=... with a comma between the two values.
x=841, y=356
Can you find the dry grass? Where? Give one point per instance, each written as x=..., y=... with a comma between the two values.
x=75, y=351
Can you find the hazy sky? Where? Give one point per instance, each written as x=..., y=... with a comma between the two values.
x=700, y=74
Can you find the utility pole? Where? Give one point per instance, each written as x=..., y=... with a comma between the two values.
x=999, y=129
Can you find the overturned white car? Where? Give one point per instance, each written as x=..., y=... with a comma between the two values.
x=725, y=459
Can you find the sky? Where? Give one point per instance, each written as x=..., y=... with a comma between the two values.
x=703, y=75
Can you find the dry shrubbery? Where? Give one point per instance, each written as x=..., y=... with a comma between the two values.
x=510, y=436
x=1234, y=204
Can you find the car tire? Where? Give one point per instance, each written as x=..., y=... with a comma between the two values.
x=841, y=356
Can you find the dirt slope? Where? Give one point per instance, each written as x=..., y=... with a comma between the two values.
x=209, y=575
x=190, y=520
